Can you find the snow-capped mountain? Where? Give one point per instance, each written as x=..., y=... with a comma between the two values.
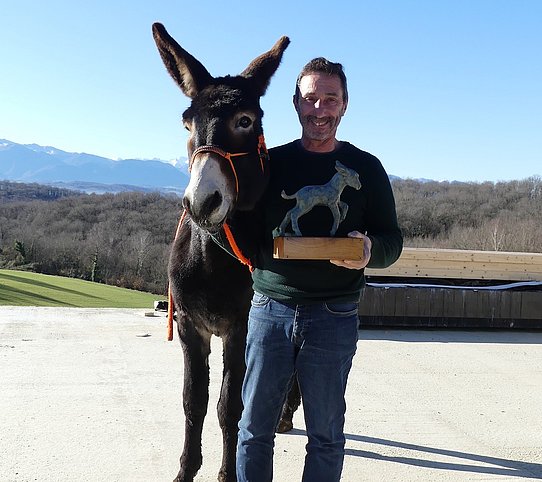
x=49, y=165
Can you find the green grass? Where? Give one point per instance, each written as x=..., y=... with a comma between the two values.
x=21, y=288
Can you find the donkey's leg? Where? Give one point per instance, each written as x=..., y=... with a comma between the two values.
x=297, y=212
x=196, y=350
x=230, y=405
x=290, y=406
x=336, y=218
x=285, y=222
x=343, y=208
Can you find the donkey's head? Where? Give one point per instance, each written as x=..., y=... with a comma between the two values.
x=349, y=176
x=227, y=154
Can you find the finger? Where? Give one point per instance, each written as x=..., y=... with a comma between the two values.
x=345, y=263
x=339, y=262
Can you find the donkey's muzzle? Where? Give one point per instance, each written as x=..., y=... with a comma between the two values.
x=207, y=213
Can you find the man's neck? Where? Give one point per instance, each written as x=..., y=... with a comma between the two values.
x=329, y=145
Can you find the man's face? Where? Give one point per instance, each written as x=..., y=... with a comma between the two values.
x=320, y=107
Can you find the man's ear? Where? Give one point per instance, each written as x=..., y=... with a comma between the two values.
x=343, y=110
x=294, y=100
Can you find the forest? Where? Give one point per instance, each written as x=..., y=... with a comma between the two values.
x=124, y=239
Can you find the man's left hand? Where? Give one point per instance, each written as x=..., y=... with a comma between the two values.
x=356, y=263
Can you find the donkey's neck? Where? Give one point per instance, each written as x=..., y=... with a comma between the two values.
x=338, y=182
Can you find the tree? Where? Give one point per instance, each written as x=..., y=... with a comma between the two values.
x=21, y=250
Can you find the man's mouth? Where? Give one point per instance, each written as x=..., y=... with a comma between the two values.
x=319, y=122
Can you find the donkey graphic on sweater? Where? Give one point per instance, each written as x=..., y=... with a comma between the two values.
x=328, y=194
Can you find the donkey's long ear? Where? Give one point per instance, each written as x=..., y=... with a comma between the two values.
x=189, y=74
x=262, y=68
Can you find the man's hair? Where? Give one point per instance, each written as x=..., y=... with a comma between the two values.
x=324, y=66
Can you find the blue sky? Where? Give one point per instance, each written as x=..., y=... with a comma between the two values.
x=441, y=89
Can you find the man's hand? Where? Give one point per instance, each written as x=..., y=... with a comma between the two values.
x=357, y=263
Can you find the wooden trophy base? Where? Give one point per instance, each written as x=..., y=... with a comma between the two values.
x=298, y=247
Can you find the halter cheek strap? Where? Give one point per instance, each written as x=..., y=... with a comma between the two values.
x=221, y=153
x=262, y=152
x=262, y=155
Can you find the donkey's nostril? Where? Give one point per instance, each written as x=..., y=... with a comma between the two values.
x=186, y=203
x=213, y=202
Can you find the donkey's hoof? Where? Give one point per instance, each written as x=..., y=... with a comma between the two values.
x=285, y=426
x=224, y=476
x=183, y=478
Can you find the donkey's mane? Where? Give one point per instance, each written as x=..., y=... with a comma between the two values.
x=225, y=92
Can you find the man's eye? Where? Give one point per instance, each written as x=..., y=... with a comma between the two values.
x=244, y=122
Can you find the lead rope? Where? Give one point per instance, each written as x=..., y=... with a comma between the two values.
x=263, y=155
x=238, y=254
x=169, y=294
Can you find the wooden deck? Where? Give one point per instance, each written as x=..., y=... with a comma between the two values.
x=456, y=289
x=464, y=264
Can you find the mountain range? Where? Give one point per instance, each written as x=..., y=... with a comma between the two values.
x=87, y=172
x=92, y=174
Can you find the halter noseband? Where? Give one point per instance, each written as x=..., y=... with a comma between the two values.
x=262, y=155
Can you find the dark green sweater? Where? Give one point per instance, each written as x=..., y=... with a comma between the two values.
x=371, y=210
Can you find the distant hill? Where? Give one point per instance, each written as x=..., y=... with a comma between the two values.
x=19, y=191
x=86, y=172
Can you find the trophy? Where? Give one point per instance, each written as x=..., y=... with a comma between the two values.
x=293, y=245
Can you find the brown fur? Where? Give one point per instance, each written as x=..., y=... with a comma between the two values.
x=211, y=289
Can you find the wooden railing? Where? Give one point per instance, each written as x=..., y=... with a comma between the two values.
x=410, y=296
x=464, y=264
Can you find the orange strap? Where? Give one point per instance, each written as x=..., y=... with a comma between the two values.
x=238, y=253
x=170, y=308
x=222, y=153
x=169, y=314
x=262, y=151
x=240, y=256
x=263, y=155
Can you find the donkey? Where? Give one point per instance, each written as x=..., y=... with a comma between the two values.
x=211, y=290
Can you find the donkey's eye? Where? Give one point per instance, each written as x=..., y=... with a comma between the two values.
x=244, y=122
x=187, y=124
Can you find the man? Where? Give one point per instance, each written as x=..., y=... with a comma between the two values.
x=304, y=314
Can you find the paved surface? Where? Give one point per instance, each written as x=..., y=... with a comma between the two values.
x=86, y=396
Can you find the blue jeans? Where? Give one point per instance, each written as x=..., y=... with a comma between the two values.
x=316, y=341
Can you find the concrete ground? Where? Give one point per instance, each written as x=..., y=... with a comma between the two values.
x=95, y=395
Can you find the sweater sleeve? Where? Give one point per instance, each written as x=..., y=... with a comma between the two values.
x=382, y=226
